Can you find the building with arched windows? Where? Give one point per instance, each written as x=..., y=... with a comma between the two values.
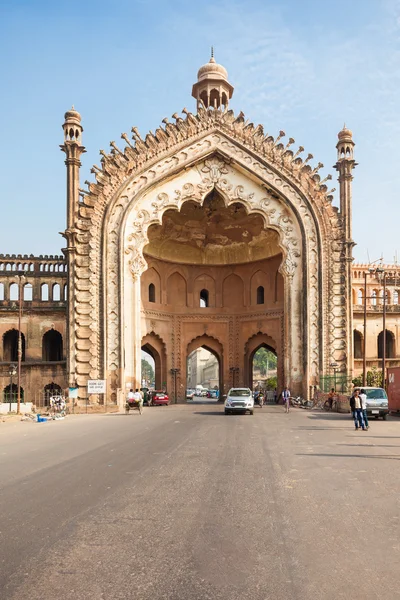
x=208, y=233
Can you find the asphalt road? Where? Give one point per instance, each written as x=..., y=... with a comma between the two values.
x=185, y=503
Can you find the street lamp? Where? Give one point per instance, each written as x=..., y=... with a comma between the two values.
x=12, y=372
x=174, y=372
x=334, y=366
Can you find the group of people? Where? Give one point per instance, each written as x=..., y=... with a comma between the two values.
x=259, y=397
x=135, y=396
x=358, y=406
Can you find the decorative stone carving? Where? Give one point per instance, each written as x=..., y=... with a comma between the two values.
x=130, y=194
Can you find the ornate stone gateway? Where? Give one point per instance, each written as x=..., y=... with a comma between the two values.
x=206, y=233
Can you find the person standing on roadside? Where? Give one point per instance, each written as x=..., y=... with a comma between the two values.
x=356, y=407
x=331, y=396
x=363, y=398
x=286, y=398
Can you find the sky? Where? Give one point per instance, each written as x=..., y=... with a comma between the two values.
x=305, y=67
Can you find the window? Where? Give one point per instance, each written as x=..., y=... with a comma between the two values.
x=44, y=292
x=203, y=298
x=395, y=297
x=360, y=297
x=152, y=292
x=56, y=292
x=1, y=291
x=65, y=292
x=260, y=295
x=28, y=292
x=373, y=298
x=14, y=291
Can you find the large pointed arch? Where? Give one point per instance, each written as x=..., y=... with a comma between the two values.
x=198, y=153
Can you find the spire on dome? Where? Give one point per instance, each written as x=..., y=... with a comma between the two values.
x=212, y=89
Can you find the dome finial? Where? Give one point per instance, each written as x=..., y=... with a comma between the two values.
x=212, y=88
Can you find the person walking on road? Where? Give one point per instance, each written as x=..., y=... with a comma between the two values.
x=286, y=398
x=363, y=398
x=356, y=407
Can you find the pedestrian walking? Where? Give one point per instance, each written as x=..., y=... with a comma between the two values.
x=356, y=407
x=286, y=398
x=275, y=396
x=363, y=398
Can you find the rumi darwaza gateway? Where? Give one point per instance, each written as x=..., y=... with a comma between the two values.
x=208, y=233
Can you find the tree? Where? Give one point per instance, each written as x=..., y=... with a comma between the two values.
x=147, y=371
x=374, y=379
x=264, y=360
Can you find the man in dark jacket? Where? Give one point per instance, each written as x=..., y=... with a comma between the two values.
x=356, y=407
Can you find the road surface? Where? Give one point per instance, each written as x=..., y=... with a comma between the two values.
x=185, y=503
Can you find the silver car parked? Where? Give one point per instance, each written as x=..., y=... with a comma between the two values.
x=239, y=400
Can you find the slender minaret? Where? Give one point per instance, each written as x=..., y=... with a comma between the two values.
x=73, y=150
x=345, y=165
x=212, y=88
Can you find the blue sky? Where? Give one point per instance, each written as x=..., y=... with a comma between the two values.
x=302, y=66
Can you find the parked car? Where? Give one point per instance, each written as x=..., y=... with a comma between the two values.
x=159, y=397
x=239, y=400
x=377, y=402
x=190, y=393
x=212, y=394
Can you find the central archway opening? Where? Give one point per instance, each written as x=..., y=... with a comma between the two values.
x=203, y=372
x=262, y=367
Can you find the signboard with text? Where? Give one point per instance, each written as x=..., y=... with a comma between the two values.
x=96, y=386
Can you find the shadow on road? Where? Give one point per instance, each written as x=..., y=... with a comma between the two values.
x=207, y=412
x=330, y=416
x=385, y=456
x=373, y=445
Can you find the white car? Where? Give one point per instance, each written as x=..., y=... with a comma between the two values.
x=239, y=400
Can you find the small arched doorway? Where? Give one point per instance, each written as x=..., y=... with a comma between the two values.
x=154, y=373
x=203, y=374
x=204, y=368
x=389, y=343
x=358, y=344
x=262, y=364
x=51, y=389
x=52, y=346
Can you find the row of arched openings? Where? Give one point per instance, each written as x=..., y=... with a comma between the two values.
x=51, y=389
x=57, y=292
x=376, y=297
x=204, y=295
x=390, y=345
x=30, y=267
x=52, y=346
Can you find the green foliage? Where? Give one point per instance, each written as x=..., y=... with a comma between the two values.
x=357, y=381
x=374, y=379
x=147, y=371
x=264, y=360
x=272, y=383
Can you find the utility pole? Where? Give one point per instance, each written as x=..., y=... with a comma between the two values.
x=20, y=278
x=365, y=332
x=384, y=333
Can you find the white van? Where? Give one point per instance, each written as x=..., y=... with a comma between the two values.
x=377, y=402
